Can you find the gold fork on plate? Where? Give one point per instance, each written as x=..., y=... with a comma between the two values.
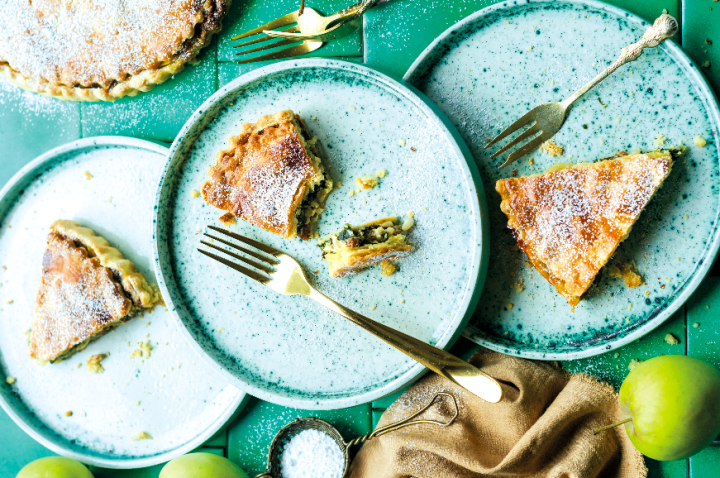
x=312, y=29
x=546, y=119
x=283, y=274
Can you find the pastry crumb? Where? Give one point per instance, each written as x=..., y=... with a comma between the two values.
x=527, y=264
x=633, y=363
x=659, y=140
x=699, y=141
x=671, y=339
x=401, y=142
x=142, y=436
x=509, y=306
x=351, y=193
x=68, y=413
x=373, y=308
x=551, y=148
x=627, y=272
x=519, y=286
x=381, y=173
x=146, y=347
x=88, y=175
x=94, y=365
x=367, y=182
x=696, y=325
x=531, y=161
x=195, y=193
x=388, y=268
x=616, y=355
x=137, y=353
x=10, y=380
x=228, y=219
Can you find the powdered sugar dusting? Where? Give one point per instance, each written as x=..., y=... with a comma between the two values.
x=93, y=42
x=572, y=220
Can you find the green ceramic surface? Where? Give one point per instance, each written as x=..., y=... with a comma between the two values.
x=392, y=37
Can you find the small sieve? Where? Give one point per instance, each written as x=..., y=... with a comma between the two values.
x=292, y=429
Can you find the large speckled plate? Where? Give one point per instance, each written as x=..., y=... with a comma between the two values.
x=108, y=184
x=492, y=67
x=290, y=350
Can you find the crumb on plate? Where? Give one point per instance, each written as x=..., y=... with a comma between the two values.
x=388, y=268
x=94, y=365
x=551, y=148
x=228, y=219
x=627, y=272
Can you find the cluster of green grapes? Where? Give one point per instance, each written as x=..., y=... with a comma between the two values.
x=192, y=465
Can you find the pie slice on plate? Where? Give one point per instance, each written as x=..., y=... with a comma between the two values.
x=570, y=220
x=354, y=248
x=87, y=289
x=271, y=176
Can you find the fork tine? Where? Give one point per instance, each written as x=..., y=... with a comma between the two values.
x=268, y=47
x=301, y=49
x=525, y=149
x=279, y=23
x=257, y=265
x=251, y=242
x=254, y=254
x=531, y=131
x=524, y=119
x=243, y=270
x=266, y=38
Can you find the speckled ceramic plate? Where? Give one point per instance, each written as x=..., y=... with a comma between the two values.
x=492, y=67
x=289, y=350
x=107, y=184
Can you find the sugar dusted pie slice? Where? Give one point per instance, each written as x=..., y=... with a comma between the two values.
x=87, y=288
x=90, y=50
x=354, y=248
x=271, y=176
x=570, y=220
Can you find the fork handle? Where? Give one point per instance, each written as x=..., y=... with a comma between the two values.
x=439, y=361
x=664, y=27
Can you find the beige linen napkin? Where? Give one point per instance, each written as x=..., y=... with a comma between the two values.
x=542, y=428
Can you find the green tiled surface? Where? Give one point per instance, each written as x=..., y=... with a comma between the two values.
x=391, y=38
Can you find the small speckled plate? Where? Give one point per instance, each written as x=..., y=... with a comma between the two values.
x=289, y=350
x=106, y=183
x=488, y=70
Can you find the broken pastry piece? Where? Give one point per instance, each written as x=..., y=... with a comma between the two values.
x=352, y=249
x=271, y=176
x=87, y=289
x=570, y=219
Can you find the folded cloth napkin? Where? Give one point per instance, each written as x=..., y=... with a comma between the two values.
x=543, y=427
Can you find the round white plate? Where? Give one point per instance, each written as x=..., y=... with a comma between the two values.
x=289, y=350
x=491, y=68
x=172, y=395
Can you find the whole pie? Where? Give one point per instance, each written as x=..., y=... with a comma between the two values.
x=271, y=176
x=87, y=288
x=354, y=248
x=90, y=50
x=570, y=220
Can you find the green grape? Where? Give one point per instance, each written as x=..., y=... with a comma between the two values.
x=202, y=465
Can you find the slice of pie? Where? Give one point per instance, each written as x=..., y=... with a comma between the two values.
x=87, y=289
x=570, y=220
x=354, y=248
x=90, y=50
x=271, y=176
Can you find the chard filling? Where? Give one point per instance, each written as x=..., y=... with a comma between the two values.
x=312, y=205
x=353, y=237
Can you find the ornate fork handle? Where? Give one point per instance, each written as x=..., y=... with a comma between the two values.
x=664, y=27
x=436, y=359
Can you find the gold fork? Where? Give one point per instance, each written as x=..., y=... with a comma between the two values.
x=309, y=23
x=284, y=275
x=547, y=118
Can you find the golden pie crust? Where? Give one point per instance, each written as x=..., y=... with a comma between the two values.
x=271, y=176
x=569, y=221
x=92, y=50
x=87, y=288
x=346, y=259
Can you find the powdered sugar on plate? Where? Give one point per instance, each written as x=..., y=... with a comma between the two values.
x=312, y=454
x=170, y=395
